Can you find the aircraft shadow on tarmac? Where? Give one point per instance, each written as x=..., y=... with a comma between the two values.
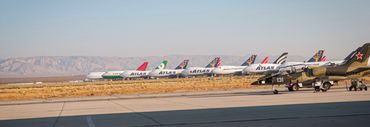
x=233, y=94
x=256, y=93
x=250, y=93
x=321, y=114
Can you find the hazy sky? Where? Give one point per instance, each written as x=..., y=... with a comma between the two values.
x=189, y=27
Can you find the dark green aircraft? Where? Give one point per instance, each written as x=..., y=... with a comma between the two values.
x=355, y=66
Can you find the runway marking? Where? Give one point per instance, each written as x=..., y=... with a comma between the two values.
x=90, y=121
x=140, y=114
x=60, y=113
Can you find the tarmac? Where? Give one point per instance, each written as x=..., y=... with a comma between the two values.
x=236, y=108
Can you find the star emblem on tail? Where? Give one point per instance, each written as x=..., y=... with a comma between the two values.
x=359, y=56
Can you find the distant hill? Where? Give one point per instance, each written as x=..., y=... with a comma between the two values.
x=81, y=65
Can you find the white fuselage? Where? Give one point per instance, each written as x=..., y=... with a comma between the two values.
x=165, y=72
x=196, y=71
x=135, y=74
x=94, y=75
x=223, y=70
x=289, y=66
x=112, y=74
x=260, y=68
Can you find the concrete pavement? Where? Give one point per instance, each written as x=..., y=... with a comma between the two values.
x=230, y=108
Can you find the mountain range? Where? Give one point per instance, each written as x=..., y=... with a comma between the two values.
x=43, y=66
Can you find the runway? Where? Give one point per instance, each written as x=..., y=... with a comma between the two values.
x=256, y=108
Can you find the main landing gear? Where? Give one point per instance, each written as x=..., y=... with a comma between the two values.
x=293, y=87
x=357, y=85
x=274, y=91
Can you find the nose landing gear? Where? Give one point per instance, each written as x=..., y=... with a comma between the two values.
x=274, y=91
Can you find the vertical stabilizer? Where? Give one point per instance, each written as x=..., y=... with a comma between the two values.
x=183, y=65
x=142, y=67
x=281, y=59
x=163, y=65
x=323, y=59
x=250, y=60
x=359, y=57
x=265, y=61
x=214, y=63
x=317, y=56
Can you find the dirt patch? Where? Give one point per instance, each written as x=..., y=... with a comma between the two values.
x=106, y=88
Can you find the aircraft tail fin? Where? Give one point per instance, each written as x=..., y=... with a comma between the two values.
x=359, y=57
x=323, y=59
x=183, y=65
x=142, y=67
x=317, y=56
x=265, y=61
x=281, y=59
x=163, y=65
x=250, y=60
x=214, y=63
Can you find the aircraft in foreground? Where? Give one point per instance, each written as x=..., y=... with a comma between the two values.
x=355, y=66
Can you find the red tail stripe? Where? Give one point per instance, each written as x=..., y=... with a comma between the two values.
x=142, y=67
x=323, y=59
x=265, y=61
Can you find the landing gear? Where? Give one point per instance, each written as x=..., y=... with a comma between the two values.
x=290, y=88
x=274, y=91
x=322, y=86
x=352, y=87
x=357, y=85
x=317, y=89
x=293, y=87
x=326, y=86
x=296, y=87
